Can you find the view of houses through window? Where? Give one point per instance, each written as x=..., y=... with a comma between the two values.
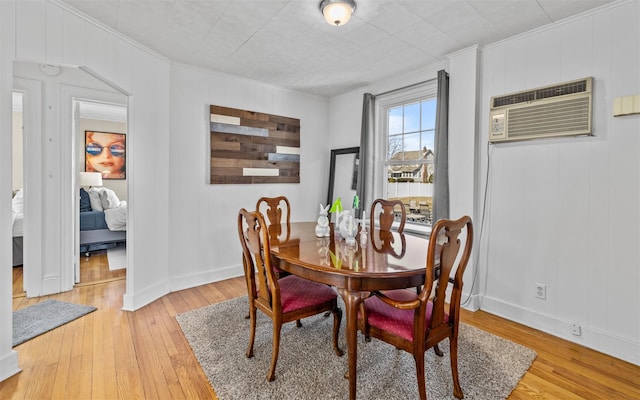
x=410, y=131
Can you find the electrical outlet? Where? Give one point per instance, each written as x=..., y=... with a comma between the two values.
x=541, y=291
x=575, y=329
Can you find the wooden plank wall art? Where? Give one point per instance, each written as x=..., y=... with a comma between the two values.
x=253, y=147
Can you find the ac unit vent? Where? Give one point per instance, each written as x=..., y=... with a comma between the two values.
x=542, y=93
x=558, y=110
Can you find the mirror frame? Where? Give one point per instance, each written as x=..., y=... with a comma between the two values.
x=332, y=167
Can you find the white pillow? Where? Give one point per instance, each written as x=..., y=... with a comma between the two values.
x=17, y=203
x=109, y=199
x=94, y=198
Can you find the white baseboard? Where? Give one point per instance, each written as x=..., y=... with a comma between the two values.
x=152, y=293
x=470, y=303
x=132, y=302
x=9, y=365
x=193, y=280
x=619, y=347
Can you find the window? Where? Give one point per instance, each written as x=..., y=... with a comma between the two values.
x=407, y=126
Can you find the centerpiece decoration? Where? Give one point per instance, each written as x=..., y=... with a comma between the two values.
x=346, y=220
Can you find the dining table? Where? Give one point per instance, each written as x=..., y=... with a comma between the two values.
x=382, y=260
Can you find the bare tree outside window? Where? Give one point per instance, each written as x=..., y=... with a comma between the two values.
x=395, y=146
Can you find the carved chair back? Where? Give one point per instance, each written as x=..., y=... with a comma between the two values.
x=384, y=211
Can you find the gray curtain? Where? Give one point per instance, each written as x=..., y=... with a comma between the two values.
x=441, y=174
x=367, y=155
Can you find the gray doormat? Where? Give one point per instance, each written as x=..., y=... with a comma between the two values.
x=37, y=319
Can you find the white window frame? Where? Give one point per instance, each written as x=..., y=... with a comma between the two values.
x=428, y=90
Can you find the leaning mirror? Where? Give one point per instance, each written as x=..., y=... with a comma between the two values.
x=343, y=175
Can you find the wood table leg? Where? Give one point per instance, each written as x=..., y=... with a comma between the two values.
x=352, y=302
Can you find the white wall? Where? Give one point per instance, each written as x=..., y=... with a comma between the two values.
x=565, y=212
x=203, y=217
x=49, y=32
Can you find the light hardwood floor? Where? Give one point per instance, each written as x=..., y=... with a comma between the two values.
x=114, y=354
x=93, y=269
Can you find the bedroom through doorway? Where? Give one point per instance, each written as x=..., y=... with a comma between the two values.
x=100, y=137
x=95, y=263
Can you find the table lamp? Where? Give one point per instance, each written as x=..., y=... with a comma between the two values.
x=89, y=179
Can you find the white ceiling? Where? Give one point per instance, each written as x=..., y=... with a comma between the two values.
x=287, y=43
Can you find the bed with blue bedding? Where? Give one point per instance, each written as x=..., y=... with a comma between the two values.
x=99, y=229
x=95, y=232
x=91, y=220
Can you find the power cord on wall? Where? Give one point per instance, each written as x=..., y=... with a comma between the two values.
x=480, y=231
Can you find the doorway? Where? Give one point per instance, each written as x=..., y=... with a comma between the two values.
x=102, y=127
x=51, y=168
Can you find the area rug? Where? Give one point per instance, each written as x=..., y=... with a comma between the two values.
x=117, y=257
x=37, y=319
x=490, y=367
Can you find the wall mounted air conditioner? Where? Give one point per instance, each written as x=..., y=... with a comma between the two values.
x=557, y=110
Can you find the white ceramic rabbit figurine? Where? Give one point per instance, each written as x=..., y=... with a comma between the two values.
x=322, y=228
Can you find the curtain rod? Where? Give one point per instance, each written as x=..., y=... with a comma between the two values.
x=405, y=87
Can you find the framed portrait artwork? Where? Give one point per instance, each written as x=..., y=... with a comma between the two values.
x=105, y=152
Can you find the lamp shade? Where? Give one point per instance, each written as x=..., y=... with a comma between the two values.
x=337, y=12
x=90, y=179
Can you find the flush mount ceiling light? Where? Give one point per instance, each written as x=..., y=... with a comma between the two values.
x=337, y=12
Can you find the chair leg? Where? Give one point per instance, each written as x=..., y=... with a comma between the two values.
x=457, y=390
x=364, y=324
x=271, y=375
x=298, y=323
x=252, y=331
x=337, y=319
x=437, y=350
x=422, y=386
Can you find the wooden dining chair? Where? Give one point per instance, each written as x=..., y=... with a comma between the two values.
x=283, y=300
x=384, y=211
x=274, y=208
x=417, y=322
x=386, y=214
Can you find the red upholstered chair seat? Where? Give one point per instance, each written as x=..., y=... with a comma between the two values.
x=297, y=293
x=393, y=320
